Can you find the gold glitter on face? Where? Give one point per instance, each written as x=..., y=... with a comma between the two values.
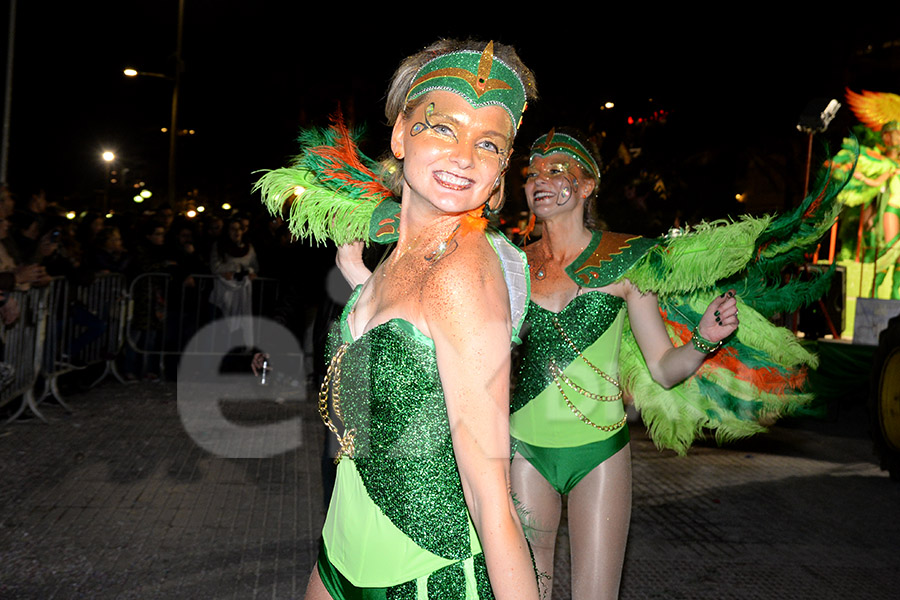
x=453, y=154
x=551, y=182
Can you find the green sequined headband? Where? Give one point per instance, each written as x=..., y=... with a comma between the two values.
x=891, y=126
x=552, y=142
x=479, y=77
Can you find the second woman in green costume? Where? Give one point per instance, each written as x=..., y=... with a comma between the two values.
x=568, y=422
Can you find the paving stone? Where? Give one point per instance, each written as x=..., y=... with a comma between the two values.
x=118, y=501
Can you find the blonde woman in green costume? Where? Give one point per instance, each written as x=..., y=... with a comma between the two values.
x=420, y=374
x=568, y=423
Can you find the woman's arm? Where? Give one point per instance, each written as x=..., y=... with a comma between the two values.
x=466, y=309
x=349, y=261
x=670, y=365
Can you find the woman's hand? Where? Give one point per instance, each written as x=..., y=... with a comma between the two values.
x=349, y=261
x=720, y=318
x=29, y=273
x=257, y=363
x=669, y=365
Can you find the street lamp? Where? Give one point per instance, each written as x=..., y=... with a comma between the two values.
x=173, y=131
x=176, y=81
x=108, y=157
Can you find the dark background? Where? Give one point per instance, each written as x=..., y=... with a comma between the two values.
x=731, y=88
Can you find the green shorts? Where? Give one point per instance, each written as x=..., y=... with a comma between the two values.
x=563, y=468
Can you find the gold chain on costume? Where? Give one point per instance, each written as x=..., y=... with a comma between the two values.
x=559, y=377
x=558, y=373
x=594, y=367
x=584, y=418
x=348, y=447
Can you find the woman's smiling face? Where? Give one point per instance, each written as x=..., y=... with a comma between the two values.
x=555, y=184
x=453, y=154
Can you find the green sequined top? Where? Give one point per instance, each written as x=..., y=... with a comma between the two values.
x=399, y=501
x=391, y=394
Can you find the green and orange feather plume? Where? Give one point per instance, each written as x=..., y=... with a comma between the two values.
x=760, y=375
x=330, y=191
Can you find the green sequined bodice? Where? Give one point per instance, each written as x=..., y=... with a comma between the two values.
x=584, y=320
x=391, y=394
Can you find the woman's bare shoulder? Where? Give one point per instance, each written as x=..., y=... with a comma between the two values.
x=468, y=279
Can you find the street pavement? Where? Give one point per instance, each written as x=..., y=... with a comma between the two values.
x=118, y=500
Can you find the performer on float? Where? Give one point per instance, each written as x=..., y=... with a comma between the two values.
x=875, y=185
x=594, y=297
x=420, y=372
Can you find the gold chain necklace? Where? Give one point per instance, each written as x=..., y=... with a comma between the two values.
x=346, y=441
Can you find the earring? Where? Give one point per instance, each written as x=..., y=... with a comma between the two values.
x=497, y=191
x=398, y=155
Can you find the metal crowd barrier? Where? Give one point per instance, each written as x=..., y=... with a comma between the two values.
x=23, y=349
x=85, y=327
x=165, y=316
x=107, y=299
x=62, y=328
x=54, y=356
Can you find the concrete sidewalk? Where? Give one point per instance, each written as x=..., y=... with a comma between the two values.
x=118, y=501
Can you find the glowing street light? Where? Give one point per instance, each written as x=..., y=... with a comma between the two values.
x=130, y=72
x=108, y=156
x=176, y=83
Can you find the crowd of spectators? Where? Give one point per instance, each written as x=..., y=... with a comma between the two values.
x=39, y=240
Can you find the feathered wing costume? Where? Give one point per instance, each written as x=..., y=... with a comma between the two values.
x=874, y=109
x=759, y=374
x=873, y=181
x=334, y=192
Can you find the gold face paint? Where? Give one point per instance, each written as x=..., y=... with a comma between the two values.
x=547, y=170
x=455, y=154
x=445, y=125
x=550, y=182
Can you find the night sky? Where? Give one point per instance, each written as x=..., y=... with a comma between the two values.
x=257, y=71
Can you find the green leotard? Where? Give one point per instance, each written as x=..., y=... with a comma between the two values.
x=398, y=525
x=566, y=418
x=562, y=445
